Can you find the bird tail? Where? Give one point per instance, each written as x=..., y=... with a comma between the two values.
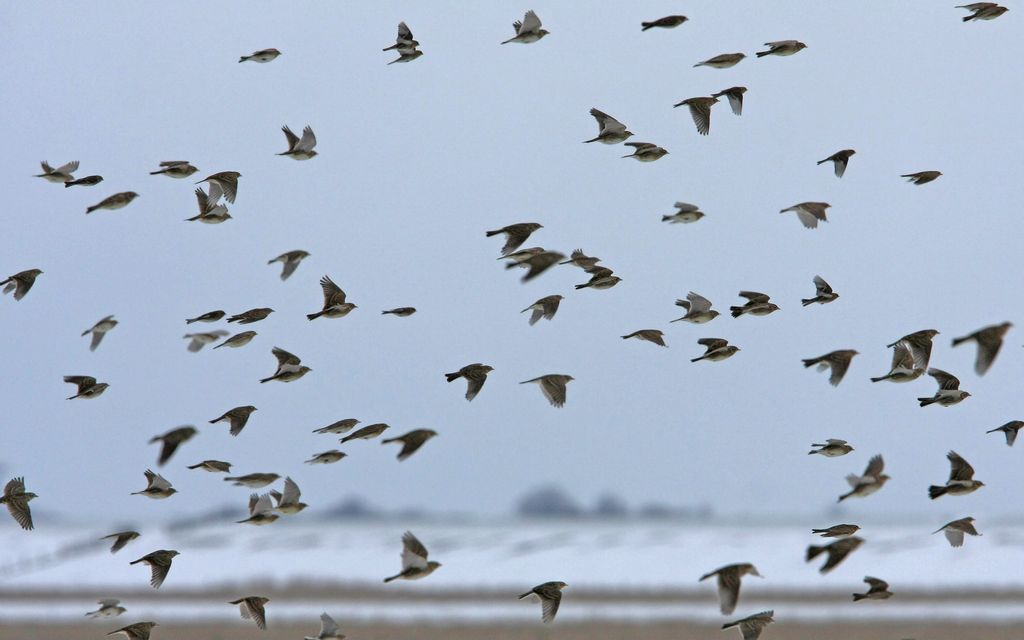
x=312, y=316
x=666, y=218
x=936, y=491
x=706, y=576
x=818, y=530
x=822, y=161
x=243, y=58
x=993, y=430
x=811, y=453
x=591, y=140
x=858, y=596
x=452, y=376
x=926, y=401
x=266, y=379
x=493, y=233
x=844, y=496
x=813, y=552
x=879, y=379
x=696, y=359
x=195, y=466
x=388, y=440
x=384, y=313
x=810, y=362
x=67, y=184
x=394, y=577
x=136, y=561
x=957, y=341
x=508, y=41
x=156, y=173
x=967, y=18
x=90, y=210
x=729, y=624
x=526, y=595
x=761, y=54
x=736, y=311
x=581, y=286
x=807, y=301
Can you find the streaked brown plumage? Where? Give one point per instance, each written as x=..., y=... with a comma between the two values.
x=335, y=305
x=545, y=307
x=735, y=96
x=920, y=345
x=550, y=596
x=411, y=442
x=175, y=169
x=552, y=386
x=921, y=177
x=116, y=201
x=252, y=608
x=475, y=375
x=160, y=563
x=137, y=631
x=823, y=293
x=903, y=368
x=757, y=304
x=956, y=529
x=782, y=48
x=646, y=151
x=838, y=361
x=17, y=499
x=752, y=626
x=209, y=316
x=961, y=479
x=87, y=386
x=809, y=213
x=212, y=466
x=715, y=350
x=990, y=340
x=839, y=160
x=515, y=235
x=698, y=309
x=837, y=531
x=157, y=487
x=831, y=448
x=415, y=565
x=340, y=426
x=21, y=282
x=87, y=181
x=700, y=111
x=236, y=418
x=949, y=392
x=251, y=316
x=722, y=61
x=227, y=181
x=366, y=433
x=1010, y=430
x=610, y=130
x=289, y=367
x=62, y=173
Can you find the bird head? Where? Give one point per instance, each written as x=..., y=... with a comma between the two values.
x=561, y=585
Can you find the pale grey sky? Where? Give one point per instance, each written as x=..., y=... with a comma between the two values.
x=417, y=161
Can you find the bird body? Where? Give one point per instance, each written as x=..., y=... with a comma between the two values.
x=366, y=433
x=299, y=148
x=668, y=22
x=16, y=499
x=716, y=350
x=236, y=418
x=832, y=448
x=20, y=283
x=949, y=392
x=99, y=330
x=157, y=487
x=262, y=56
x=87, y=387
x=550, y=596
x=609, y=130
x=809, y=213
x=823, y=293
x=782, y=48
x=411, y=442
x=159, y=562
x=837, y=361
x=961, y=479
x=289, y=367
x=415, y=565
x=475, y=375
x=871, y=481
x=722, y=61
x=553, y=387
x=252, y=608
x=646, y=151
x=729, y=578
x=527, y=31
x=335, y=304
x=837, y=552
x=116, y=201
x=878, y=590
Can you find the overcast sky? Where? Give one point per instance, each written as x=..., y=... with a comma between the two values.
x=418, y=160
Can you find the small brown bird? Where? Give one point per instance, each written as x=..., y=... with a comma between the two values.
x=299, y=149
x=172, y=440
x=515, y=235
x=729, y=578
x=809, y=213
x=137, y=631
x=580, y=259
x=210, y=209
x=949, y=392
x=700, y=111
x=961, y=479
x=552, y=386
x=17, y=499
x=837, y=361
x=1010, y=430
x=209, y=316
x=823, y=293
x=600, y=278
x=175, y=169
x=366, y=433
x=87, y=181
x=404, y=41
x=872, y=480
x=685, y=214
x=327, y=457
x=650, y=335
x=289, y=367
x=341, y=426
x=99, y=330
x=157, y=487
x=335, y=305
x=831, y=448
x=414, y=560
x=956, y=529
x=262, y=56
x=251, y=316
x=782, y=48
x=921, y=177
x=475, y=375
x=716, y=350
x=545, y=308
x=87, y=386
x=722, y=61
x=116, y=201
x=920, y=345
x=227, y=181
x=252, y=608
x=109, y=608
x=837, y=552
x=401, y=312
x=837, y=531
x=238, y=340
x=521, y=257
x=735, y=96
x=757, y=304
x=21, y=282
x=839, y=160
x=527, y=31
x=213, y=466
x=550, y=596
x=261, y=511
x=199, y=340
x=698, y=309
x=878, y=590
x=411, y=442
x=290, y=262
x=990, y=340
x=982, y=11
x=253, y=480
x=236, y=417
x=668, y=22
x=646, y=151
x=407, y=56
x=160, y=563
x=538, y=263
x=60, y=174
x=752, y=626
x=903, y=368
x=121, y=539
x=609, y=130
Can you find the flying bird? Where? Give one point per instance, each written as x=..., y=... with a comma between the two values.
x=238, y=340
x=17, y=499
x=406, y=56
x=735, y=96
x=537, y=263
x=716, y=350
x=212, y=466
x=199, y=340
x=609, y=130
x=261, y=511
x=262, y=56
x=698, y=309
x=685, y=214
x=982, y=11
x=839, y=160
x=157, y=487
x=837, y=552
x=919, y=344
x=823, y=293
x=809, y=213
x=757, y=304
x=209, y=316
x=341, y=426
x=289, y=367
x=328, y=627
x=553, y=387
x=831, y=448
x=752, y=626
x=60, y=174
x=172, y=440
x=335, y=305
x=87, y=387
x=326, y=457
x=299, y=149
x=961, y=479
x=700, y=111
x=404, y=41
x=871, y=481
x=415, y=565
x=236, y=418
x=227, y=181
x=837, y=531
x=411, y=442
x=160, y=563
x=668, y=22
x=649, y=335
x=550, y=596
x=99, y=330
x=252, y=608
x=121, y=539
x=251, y=316
x=838, y=361
x=600, y=278
x=527, y=31
x=290, y=262
x=1010, y=430
x=729, y=578
x=903, y=368
x=87, y=181
x=515, y=235
x=545, y=308
x=175, y=169
x=366, y=433
x=878, y=590
x=137, y=631
x=475, y=375
x=21, y=282
x=722, y=61
x=401, y=312
x=646, y=151
x=990, y=340
x=580, y=259
x=955, y=530
x=921, y=177
x=253, y=480
x=109, y=608
x=116, y=201
x=210, y=209
x=949, y=392
x=782, y=48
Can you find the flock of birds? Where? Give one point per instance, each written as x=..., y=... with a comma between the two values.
x=911, y=354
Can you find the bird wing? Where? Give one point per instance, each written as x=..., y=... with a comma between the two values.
x=713, y=343
x=530, y=24
x=735, y=102
x=875, y=467
x=754, y=296
x=328, y=627
x=414, y=554
x=922, y=352
x=728, y=591
x=411, y=444
x=332, y=292
x=475, y=380
x=839, y=366
x=902, y=358
x=639, y=146
x=284, y=358
x=257, y=612
x=293, y=140
x=780, y=43
x=554, y=390
x=955, y=536
x=751, y=628
x=947, y=381
x=822, y=287
x=70, y=167
x=701, y=114
x=807, y=218
x=19, y=510
x=108, y=602
x=549, y=603
x=169, y=447
x=17, y=485
x=308, y=140
x=291, y=492
x=158, y=571
x=876, y=584
x=698, y=303
x=404, y=35
x=606, y=124
x=959, y=469
x=839, y=165
x=988, y=348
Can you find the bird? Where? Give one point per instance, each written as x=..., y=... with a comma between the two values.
x=261, y=511
x=757, y=304
x=809, y=213
x=411, y=442
x=831, y=448
x=839, y=160
x=87, y=387
x=262, y=56
x=545, y=307
x=837, y=552
x=475, y=375
x=735, y=96
x=109, y=608
x=227, y=182
x=668, y=22
x=289, y=367
x=177, y=169
x=99, y=330
x=838, y=361
x=172, y=440
x=752, y=626
x=415, y=565
x=366, y=433
x=251, y=316
x=290, y=262
x=521, y=258
x=729, y=578
x=209, y=316
x=121, y=539
x=160, y=563
x=578, y=258
x=87, y=181
x=21, y=282
x=982, y=11
x=921, y=177
x=823, y=293
x=1010, y=430
x=600, y=278
x=17, y=499
x=328, y=627
x=253, y=480
x=238, y=340
x=609, y=130
x=961, y=479
x=955, y=530
x=404, y=41
x=698, y=309
x=299, y=149
x=903, y=368
x=650, y=335
x=550, y=596
x=949, y=392
x=335, y=305
x=212, y=466
x=199, y=340
x=401, y=312
x=326, y=457
x=871, y=481
x=515, y=235
x=700, y=111
x=60, y=174
x=685, y=214
x=919, y=344
x=236, y=418
x=537, y=263
x=252, y=608
x=210, y=209
x=527, y=31
x=782, y=48
x=341, y=426
x=116, y=201
x=878, y=590
x=722, y=61
x=646, y=151
x=157, y=487
x=407, y=56
x=137, y=631
x=990, y=340
x=837, y=531
x=552, y=386
x=716, y=349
